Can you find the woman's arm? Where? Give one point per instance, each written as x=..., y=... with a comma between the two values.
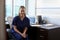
x=25, y=30
x=17, y=30
x=26, y=26
x=22, y=34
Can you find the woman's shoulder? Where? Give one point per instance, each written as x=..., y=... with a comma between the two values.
x=16, y=17
x=27, y=18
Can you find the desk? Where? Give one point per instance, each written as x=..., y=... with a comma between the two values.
x=41, y=32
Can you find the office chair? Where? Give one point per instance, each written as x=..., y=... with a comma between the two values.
x=9, y=19
x=11, y=37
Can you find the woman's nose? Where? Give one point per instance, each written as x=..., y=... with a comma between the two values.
x=22, y=12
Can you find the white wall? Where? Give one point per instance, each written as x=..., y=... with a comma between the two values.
x=50, y=10
x=52, y=15
x=48, y=3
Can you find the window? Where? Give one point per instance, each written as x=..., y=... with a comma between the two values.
x=31, y=11
x=17, y=4
x=48, y=7
x=12, y=7
x=8, y=7
x=48, y=3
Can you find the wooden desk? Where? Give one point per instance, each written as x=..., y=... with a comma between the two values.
x=44, y=33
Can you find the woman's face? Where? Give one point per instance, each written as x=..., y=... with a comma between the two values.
x=22, y=12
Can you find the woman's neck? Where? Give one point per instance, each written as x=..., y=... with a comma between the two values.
x=22, y=18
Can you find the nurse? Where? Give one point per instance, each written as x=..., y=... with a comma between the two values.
x=20, y=25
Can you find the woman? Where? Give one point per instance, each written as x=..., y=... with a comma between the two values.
x=20, y=25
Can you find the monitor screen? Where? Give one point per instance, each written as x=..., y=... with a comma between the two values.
x=32, y=20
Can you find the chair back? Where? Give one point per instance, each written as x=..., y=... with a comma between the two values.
x=9, y=19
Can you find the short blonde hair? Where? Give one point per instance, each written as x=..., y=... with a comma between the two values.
x=22, y=7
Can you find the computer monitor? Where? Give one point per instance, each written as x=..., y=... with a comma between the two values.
x=32, y=20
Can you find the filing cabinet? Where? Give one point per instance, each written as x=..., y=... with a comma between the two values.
x=43, y=34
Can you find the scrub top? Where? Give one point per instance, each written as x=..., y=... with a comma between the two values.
x=20, y=25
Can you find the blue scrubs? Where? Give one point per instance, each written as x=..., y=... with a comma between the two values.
x=20, y=26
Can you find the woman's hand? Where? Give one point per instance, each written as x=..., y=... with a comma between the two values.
x=24, y=35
